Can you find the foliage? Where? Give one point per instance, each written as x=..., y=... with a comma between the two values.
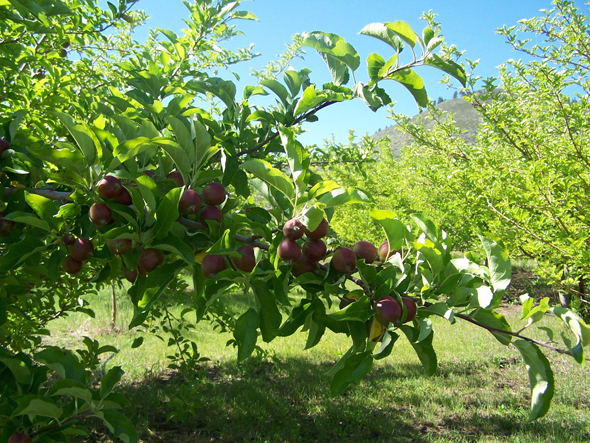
x=142, y=119
x=525, y=179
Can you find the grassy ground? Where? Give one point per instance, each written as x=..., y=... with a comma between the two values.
x=480, y=392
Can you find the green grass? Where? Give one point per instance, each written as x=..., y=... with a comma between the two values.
x=480, y=392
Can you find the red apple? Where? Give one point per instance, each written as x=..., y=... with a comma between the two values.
x=344, y=260
x=247, y=261
x=124, y=198
x=314, y=249
x=213, y=265
x=130, y=275
x=149, y=260
x=293, y=229
x=214, y=193
x=388, y=310
x=176, y=177
x=190, y=202
x=289, y=250
x=82, y=249
x=366, y=250
x=320, y=232
x=100, y=214
x=303, y=265
x=71, y=265
x=109, y=187
x=210, y=212
x=119, y=246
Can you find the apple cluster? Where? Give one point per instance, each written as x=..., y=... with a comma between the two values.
x=306, y=258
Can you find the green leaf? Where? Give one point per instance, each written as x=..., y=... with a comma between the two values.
x=63, y=362
x=85, y=138
x=183, y=136
x=386, y=346
x=137, y=342
x=109, y=380
x=297, y=157
x=355, y=368
x=19, y=252
x=580, y=330
x=499, y=263
x=293, y=82
x=273, y=176
x=423, y=348
x=174, y=244
x=540, y=378
x=33, y=406
x=131, y=148
x=119, y=425
x=374, y=65
x=167, y=213
x=360, y=310
x=246, y=333
x=386, y=34
x=44, y=208
x=413, y=83
x=344, y=196
x=63, y=155
x=72, y=388
x=270, y=317
x=394, y=229
x=177, y=153
x=309, y=100
x=495, y=320
x=336, y=52
x=448, y=66
x=278, y=89
x=29, y=219
x=315, y=334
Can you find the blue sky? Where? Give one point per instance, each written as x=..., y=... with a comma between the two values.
x=469, y=25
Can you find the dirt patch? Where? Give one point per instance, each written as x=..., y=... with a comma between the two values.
x=527, y=282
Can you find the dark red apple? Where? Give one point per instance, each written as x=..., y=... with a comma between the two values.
x=293, y=229
x=82, y=249
x=119, y=246
x=130, y=275
x=314, y=249
x=303, y=265
x=411, y=308
x=384, y=252
x=247, y=261
x=109, y=187
x=100, y=214
x=4, y=145
x=19, y=437
x=176, y=177
x=214, y=193
x=68, y=239
x=190, y=202
x=71, y=265
x=344, y=260
x=150, y=259
x=366, y=250
x=213, y=265
x=289, y=250
x=320, y=232
x=5, y=225
x=388, y=310
x=151, y=174
x=210, y=212
x=124, y=198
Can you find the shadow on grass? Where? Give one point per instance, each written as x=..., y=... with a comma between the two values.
x=288, y=400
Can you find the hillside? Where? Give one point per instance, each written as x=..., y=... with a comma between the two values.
x=464, y=113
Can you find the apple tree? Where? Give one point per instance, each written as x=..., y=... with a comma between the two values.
x=135, y=163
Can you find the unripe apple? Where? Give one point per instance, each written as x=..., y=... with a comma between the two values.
x=68, y=239
x=210, y=212
x=190, y=202
x=82, y=249
x=119, y=246
x=366, y=250
x=411, y=308
x=213, y=265
x=214, y=193
x=320, y=232
x=71, y=265
x=314, y=249
x=388, y=310
x=176, y=177
x=5, y=225
x=344, y=260
x=109, y=187
x=303, y=265
x=130, y=275
x=100, y=214
x=293, y=229
x=247, y=261
x=150, y=259
x=4, y=145
x=19, y=437
x=124, y=198
x=289, y=250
